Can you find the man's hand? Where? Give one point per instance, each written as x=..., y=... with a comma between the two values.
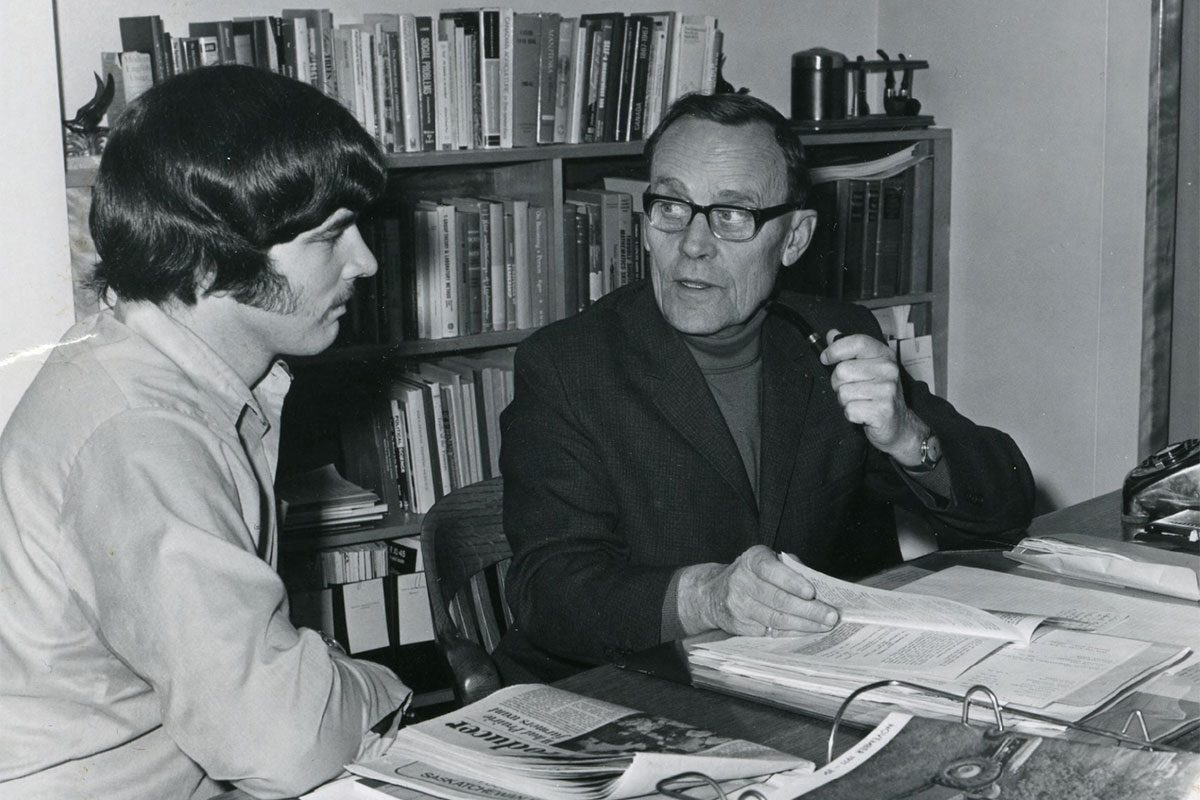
x=866, y=379
x=756, y=595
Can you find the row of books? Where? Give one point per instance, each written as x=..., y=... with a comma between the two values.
x=459, y=266
x=320, y=569
x=602, y=234
x=463, y=79
x=874, y=229
x=430, y=431
x=482, y=265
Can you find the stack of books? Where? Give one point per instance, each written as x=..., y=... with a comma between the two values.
x=322, y=500
x=459, y=80
x=873, y=230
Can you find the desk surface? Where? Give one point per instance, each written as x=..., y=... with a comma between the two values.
x=1100, y=516
x=789, y=731
x=793, y=732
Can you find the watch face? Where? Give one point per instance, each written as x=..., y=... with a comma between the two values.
x=931, y=451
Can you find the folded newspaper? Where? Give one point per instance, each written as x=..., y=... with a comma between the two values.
x=1113, y=562
x=536, y=741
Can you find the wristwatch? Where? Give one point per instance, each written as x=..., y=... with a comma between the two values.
x=931, y=451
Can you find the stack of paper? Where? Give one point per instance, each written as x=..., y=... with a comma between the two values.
x=1063, y=665
x=1113, y=562
x=540, y=741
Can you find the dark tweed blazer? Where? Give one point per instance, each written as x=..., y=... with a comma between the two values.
x=619, y=469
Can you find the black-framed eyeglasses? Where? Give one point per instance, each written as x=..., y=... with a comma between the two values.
x=731, y=223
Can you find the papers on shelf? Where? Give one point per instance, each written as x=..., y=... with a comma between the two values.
x=1113, y=562
x=540, y=741
x=875, y=169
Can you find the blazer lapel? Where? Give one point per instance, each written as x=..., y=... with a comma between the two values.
x=677, y=388
x=789, y=372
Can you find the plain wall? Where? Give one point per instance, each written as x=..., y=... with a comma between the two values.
x=1048, y=106
x=1048, y=103
x=35, y=288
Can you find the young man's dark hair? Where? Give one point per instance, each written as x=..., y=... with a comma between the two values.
x=738, y=110
x=197, y=184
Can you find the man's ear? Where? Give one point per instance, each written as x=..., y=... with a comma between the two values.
x=800, y=233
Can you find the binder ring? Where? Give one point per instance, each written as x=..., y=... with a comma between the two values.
x=995, y=701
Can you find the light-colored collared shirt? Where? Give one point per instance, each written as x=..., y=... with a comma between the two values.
x=145, y=647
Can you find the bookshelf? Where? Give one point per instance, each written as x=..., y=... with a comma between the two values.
x=542, y=175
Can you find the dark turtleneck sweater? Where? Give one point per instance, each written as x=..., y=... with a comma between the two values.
x=731, y=362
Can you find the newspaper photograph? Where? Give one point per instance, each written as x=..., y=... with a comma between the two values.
x=537, y=741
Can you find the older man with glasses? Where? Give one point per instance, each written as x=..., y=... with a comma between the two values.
x=664, y=445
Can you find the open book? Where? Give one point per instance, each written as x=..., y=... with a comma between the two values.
x=868, y=606
x=543, y=742
x=1063, y=671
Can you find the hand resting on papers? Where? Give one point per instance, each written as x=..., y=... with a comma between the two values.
x=756, y=595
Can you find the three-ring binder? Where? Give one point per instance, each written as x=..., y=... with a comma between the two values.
x=679, y=787
x=1145, y=742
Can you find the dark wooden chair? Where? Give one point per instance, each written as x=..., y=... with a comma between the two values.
x=466, y=560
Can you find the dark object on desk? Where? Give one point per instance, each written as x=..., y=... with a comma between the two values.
x=466, y=560
x=818, y=84
x=1166, y=483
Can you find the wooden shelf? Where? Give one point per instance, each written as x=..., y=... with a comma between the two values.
x=407, y=525
x=493, y=157
x=897, y=300
x=414, y=349
x=84, y=177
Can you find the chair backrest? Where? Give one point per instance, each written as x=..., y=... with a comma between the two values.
x=466, y=561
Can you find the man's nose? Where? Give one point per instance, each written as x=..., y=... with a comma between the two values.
x=698, y=239
x=360, y=261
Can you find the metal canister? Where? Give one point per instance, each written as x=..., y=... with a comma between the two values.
x=818, y=84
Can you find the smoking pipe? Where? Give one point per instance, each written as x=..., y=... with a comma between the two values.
x=893, y=105
x=912, y=106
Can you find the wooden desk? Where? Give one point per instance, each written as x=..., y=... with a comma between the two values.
x=1100, y=516
x=790, y=731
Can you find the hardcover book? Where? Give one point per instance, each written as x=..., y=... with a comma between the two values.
x=145, y=35
x=222, y=31
x=527, y=46
x=321, y=54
